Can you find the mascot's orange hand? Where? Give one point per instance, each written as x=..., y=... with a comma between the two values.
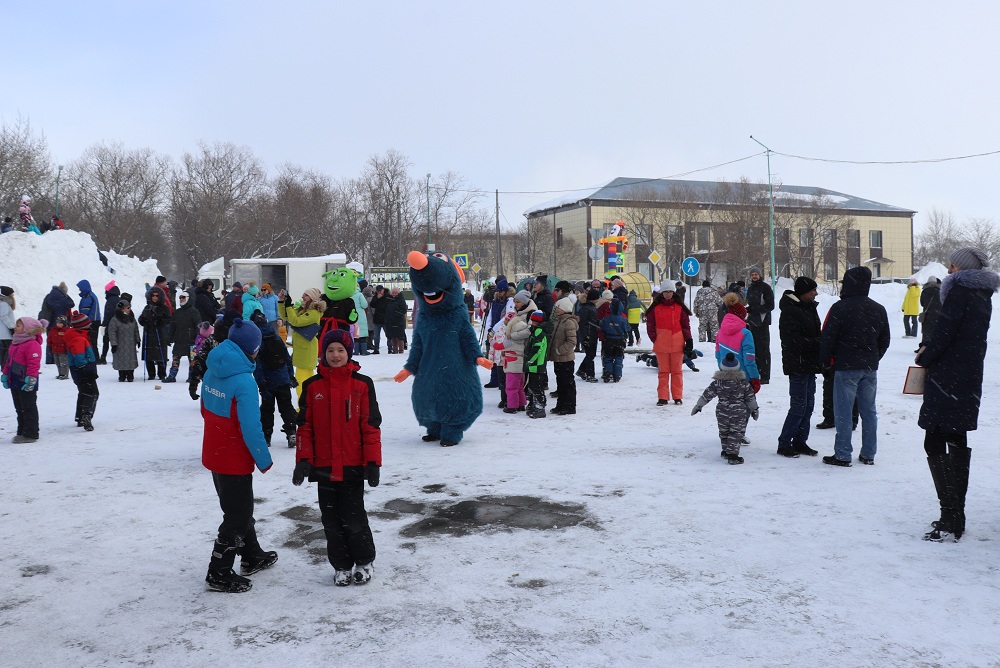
x=485, y=363
x=401, y=376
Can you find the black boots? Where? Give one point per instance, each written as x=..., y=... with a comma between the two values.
x=252, y=557
x=536, y=404
x=86, y=404
x=950, y=472
x=220, y=571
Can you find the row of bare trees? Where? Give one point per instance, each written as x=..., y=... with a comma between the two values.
x=220, y=200
x=943, y=235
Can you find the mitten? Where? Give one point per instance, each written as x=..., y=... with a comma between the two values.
x=696, y=410
x=114, y=349
x=193, y=391
x=3, y=380
x=401, y=376
x=483, y=362
x=755, y=413
x=302, y=469
x=295, y=382
x=755, y=384
x=371, y=472
x=29, y=384
x=689, y=346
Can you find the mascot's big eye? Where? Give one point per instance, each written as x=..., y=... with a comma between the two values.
x=442, y=256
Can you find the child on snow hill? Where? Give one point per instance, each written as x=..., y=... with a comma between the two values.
x=57, y=344
x=275, y=378
x=339, y=447
x=83, y=369
x=123, y=335
x=613, y=331
x=736, y=405
x=233, y=443
x=535, y=355
x=20, y=375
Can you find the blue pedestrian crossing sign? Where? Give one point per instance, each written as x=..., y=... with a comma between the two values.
x=690, y=266
x=462, y=260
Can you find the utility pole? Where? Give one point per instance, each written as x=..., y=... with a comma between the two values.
x=399, y=229
x=499, y=251
x=430, y=246
x=770, y=219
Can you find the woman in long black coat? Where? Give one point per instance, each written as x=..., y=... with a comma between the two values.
x=155, y=337
x=395, y=322
x=954, y=354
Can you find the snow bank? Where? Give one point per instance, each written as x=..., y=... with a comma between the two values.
x=32, y=264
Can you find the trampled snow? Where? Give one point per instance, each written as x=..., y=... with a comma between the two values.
x=684, y=560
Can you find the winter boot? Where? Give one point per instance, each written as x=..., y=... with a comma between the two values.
x=291, y=440
x=172, y=376
x=960, y=459
x=949, y=526
x=606, y=377
x=122, y=376
x=79, y=403
x=131, y=377
x=536, y=405
x=220, y=571
x=252, y=557
x=87, y=408
x=344, y=578
x=363, y=573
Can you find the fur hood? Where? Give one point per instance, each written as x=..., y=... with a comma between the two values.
x=973, y=279
x=729, y=374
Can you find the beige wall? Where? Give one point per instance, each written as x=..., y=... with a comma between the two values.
x=897, y=239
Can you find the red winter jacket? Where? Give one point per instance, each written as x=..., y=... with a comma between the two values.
x=340, y=432
x=57, y=339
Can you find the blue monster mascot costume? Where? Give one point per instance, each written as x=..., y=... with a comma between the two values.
x=447, y=394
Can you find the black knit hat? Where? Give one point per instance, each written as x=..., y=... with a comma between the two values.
x=804, y=284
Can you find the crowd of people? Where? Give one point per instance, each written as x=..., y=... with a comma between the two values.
x=241, y=369
x=25, y=222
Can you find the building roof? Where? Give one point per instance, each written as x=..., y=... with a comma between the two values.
x=700, y=192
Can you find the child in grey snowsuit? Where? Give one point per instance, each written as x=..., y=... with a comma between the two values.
x=736, y=405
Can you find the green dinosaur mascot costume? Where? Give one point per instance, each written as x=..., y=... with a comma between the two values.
x=447, y=394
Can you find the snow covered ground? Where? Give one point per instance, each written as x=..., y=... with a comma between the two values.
x=683, y=560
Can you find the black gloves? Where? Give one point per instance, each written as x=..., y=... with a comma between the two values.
x=371, y=472
x=193, y=391
x=689, y=347
x=303, y=469
x=295, y=382
x=114, y=349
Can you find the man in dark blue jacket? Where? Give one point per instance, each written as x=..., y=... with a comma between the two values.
x=855, y=337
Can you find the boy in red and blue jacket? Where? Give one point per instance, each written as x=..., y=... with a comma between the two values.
x=232, y=445
x=83, y=369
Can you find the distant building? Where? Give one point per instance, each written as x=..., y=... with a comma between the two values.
x=725, y=224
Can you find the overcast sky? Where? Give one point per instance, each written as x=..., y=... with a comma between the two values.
x=531, y=96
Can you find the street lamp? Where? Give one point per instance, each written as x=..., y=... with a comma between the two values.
x=770, y=219
x=58, y=175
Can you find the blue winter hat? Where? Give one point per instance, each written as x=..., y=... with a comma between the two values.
x=729, y=362
x=502, y=285
x=246, y=335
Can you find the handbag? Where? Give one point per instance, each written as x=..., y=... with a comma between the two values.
x=915, y=378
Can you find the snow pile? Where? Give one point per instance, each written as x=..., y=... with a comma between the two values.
x=32, y=264
x=935, y=269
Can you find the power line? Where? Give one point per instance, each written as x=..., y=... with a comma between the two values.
x=887, y=162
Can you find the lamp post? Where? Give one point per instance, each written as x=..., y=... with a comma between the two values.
x=58, y=175
x=429, y=246
x=770, y=219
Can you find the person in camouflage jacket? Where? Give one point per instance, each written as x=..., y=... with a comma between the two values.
x=736, y=405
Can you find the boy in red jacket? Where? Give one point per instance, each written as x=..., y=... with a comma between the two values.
x=83, y=369
x=340, y=446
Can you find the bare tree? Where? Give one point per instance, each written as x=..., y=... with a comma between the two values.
x=939, y=239
x=814, y=239
x=982, y=233
x=212, y=194
x=742, y=207
x=119, y=197
x=25, y=166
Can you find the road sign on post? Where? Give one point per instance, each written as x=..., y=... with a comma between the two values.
x=654, y=257
x=462, y=260
x=690, y=266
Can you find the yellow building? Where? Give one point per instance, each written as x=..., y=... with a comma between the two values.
x=726, y=225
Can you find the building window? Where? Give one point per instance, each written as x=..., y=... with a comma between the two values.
x=854, y=238
x=829, y=271
x=806, y=241
x=875, y=242
x=704, y=237
x=559, y=237
x=829, y=238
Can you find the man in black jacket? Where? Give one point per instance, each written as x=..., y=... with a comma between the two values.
x=760, y=303
x=378, y=304
x=541, y=295
x=855, y=337
x=799, y=328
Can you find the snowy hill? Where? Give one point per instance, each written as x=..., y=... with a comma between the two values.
x=32, y=264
